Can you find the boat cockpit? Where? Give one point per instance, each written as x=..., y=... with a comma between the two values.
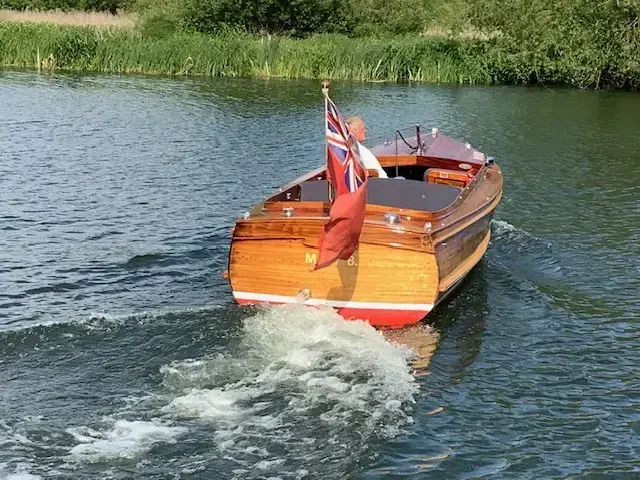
x=428, y=179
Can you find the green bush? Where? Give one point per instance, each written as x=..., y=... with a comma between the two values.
x=297, y=18
x=589, y=43
x=398, y=17
x=160, y=18
x=292, y=17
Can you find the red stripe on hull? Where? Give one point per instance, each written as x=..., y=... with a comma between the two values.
x=375, y=317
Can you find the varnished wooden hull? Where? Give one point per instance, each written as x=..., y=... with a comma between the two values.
x=367, y=305
x=399, y=273
x=389, y=287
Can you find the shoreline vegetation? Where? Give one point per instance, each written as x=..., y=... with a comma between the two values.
x=330, y=56
x=86, y=19
x=170, y=38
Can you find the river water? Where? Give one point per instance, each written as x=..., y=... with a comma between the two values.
x=122, y=354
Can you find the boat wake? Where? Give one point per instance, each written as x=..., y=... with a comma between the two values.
x=535, y=266
x=100, y=321
x=21, y=468
x=302, y=387
x=524, y=255
x=287, y=391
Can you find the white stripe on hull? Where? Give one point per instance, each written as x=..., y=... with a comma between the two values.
x=261, y=297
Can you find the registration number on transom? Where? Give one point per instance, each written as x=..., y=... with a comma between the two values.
x=312, y=258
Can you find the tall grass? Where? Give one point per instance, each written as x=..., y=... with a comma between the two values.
x=420, y=59
x=395, y=59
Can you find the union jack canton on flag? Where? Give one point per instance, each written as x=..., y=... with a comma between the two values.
x=343, y=154
x=340, y=237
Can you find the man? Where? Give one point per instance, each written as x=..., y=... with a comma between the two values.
x=357, y=127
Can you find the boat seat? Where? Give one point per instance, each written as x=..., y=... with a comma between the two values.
x=314, y=191
x=444, y=176
x=411, y=194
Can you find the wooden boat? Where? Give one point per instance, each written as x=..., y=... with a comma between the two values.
x=425, y=228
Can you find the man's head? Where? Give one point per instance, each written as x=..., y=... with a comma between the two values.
x=357, y=127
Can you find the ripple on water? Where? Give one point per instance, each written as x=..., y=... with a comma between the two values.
x=118, y=196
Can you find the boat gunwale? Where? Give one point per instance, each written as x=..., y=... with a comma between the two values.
x=415, y=216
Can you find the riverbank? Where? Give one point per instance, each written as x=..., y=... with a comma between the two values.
x=414, y=58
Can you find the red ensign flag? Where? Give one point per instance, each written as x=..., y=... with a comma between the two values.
x=349, y=178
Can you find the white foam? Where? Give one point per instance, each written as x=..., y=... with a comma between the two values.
x=127, y=439
x=214, y=403
x=298, y=372
x=22, y=476
x=505, y=229
x=10, y=439
x=501, y=226
x=185, y=374
x=269, y=464
x=20, y=473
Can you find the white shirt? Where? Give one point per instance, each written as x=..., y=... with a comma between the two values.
x=370, y=161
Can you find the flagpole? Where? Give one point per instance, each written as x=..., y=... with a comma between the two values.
x=325, y=93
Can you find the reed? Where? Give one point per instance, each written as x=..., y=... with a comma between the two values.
x=394, y=59
x=420, y=59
